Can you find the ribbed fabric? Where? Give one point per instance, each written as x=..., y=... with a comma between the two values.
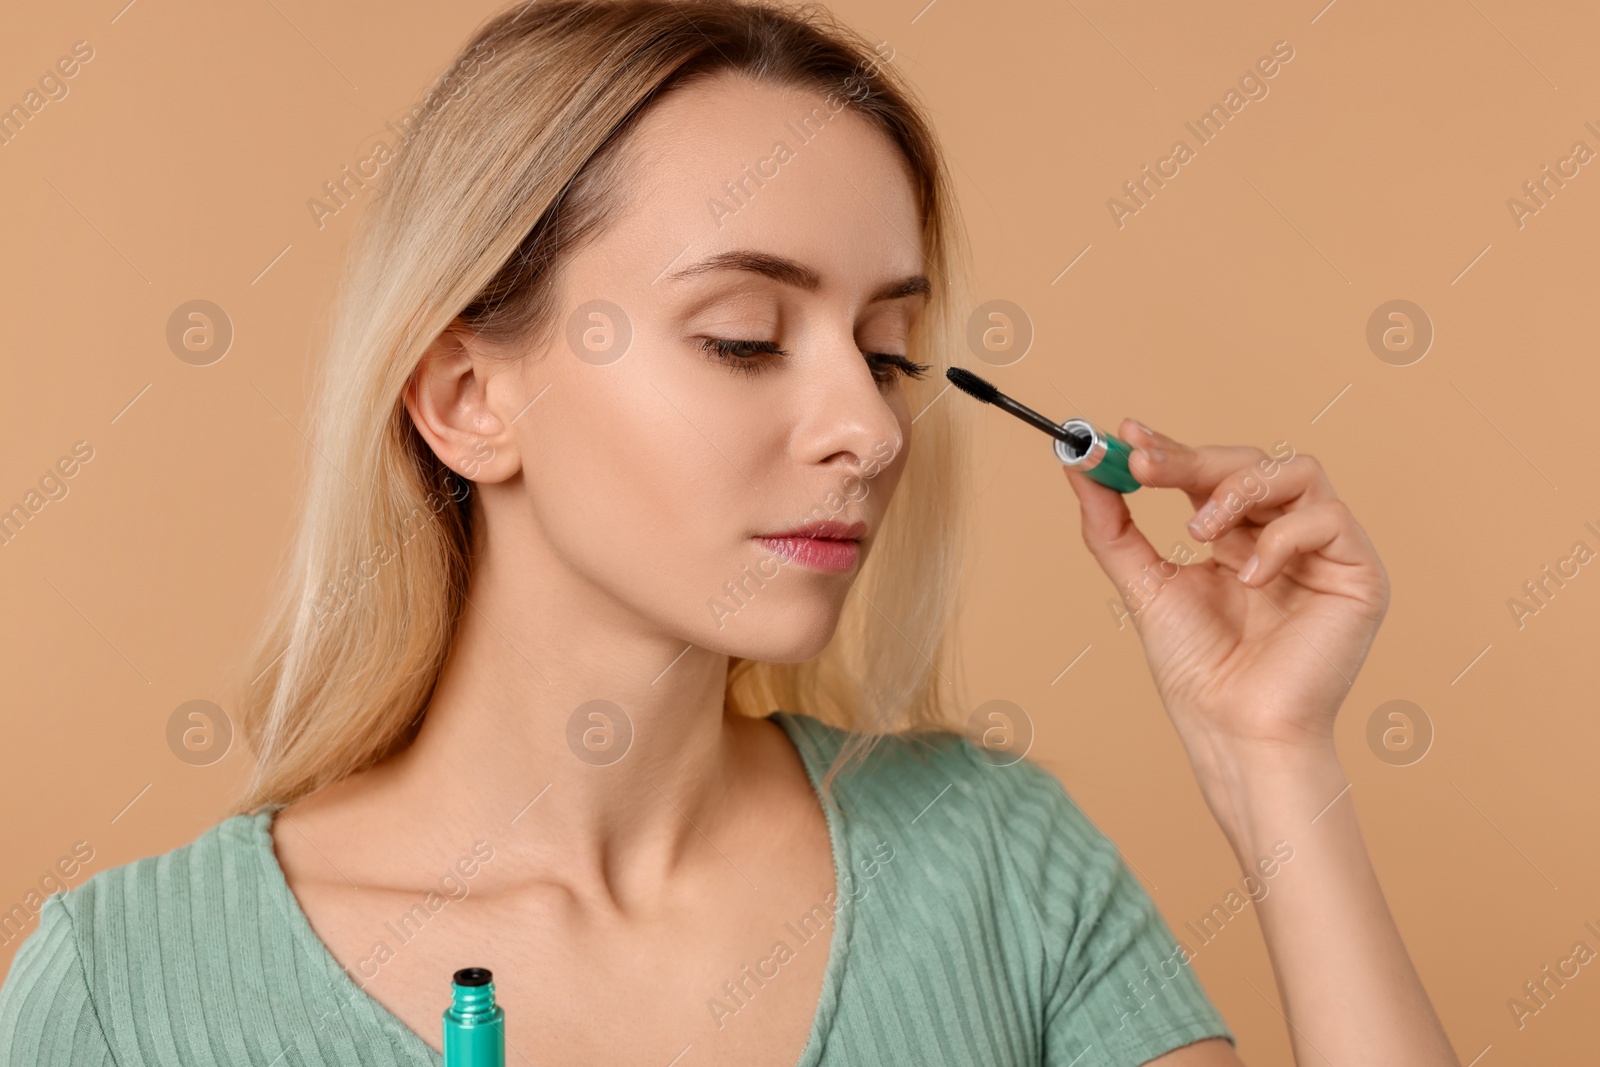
x=980, y=919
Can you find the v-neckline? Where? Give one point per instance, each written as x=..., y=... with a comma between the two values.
x=801, y=731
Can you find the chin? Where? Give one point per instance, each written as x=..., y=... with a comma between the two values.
x=788, y=631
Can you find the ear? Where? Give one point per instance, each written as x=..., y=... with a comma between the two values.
x=450, y=402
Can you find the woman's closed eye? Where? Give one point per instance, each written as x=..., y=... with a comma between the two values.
x=753, y=357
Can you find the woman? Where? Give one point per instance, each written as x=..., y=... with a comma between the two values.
x=607, y=654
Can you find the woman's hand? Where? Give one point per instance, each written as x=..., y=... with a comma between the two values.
x=1256, y=647
x=1253, y=673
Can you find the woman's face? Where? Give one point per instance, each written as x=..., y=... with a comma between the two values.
x=651, y=464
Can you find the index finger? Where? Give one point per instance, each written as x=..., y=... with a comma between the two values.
x=1259, y=490
x=1197, y=471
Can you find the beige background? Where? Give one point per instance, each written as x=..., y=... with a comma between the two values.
x=1232, y=308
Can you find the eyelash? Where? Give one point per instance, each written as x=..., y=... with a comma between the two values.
x=747, y=357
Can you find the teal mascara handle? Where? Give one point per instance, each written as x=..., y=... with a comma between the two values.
x=474, y=1025
x=1097, y=454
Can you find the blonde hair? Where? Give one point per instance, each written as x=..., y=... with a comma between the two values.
x=518, y=161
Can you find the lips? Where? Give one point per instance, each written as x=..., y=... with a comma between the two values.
x=826, y=529
x=828, y=545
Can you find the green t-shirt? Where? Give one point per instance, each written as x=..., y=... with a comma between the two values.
x=979, y=919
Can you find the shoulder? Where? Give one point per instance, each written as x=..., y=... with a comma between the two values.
x=118, y=909
x=47, y=1016
x=976, y=871
x=915, y=772
x=992, y=851
x=99, y=953
x=976, y=815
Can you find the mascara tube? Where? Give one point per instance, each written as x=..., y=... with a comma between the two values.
x=474, y=1025
x=1097, y=454
x=1078, y=443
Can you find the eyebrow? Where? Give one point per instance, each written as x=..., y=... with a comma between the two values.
x=789, y=272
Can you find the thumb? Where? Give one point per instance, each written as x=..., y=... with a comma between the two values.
x=1120, y=547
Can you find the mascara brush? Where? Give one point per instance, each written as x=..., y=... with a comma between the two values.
x=1078, y=443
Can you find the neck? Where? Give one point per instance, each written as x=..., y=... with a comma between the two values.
x=512, y=750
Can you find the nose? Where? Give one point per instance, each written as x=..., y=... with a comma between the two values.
x=846, y=419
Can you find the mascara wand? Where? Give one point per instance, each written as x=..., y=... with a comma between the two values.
x=1078, y=443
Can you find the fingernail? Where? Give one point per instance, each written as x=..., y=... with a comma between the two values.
x=1197, y=525
x=1249, y=567
x=1147, y=431
x=1155, y=455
